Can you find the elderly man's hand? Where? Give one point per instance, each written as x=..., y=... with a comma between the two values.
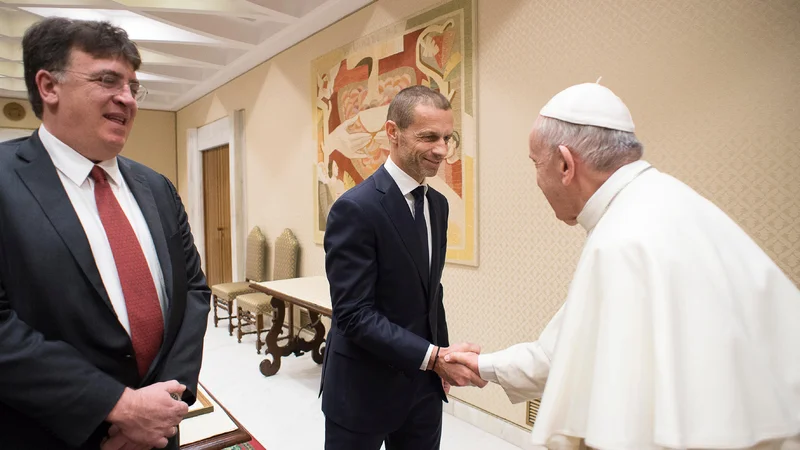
x=470, y=360
x=457, y=374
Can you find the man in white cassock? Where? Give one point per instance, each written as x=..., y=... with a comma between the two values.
x=678, y=331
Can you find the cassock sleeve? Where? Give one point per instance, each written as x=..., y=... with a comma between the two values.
x=522, y=369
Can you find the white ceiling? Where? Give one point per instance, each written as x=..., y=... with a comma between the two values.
x=189, y=47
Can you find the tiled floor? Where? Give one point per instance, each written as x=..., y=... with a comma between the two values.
x=283, y=411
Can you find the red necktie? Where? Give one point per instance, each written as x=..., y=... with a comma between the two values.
x=141, y=298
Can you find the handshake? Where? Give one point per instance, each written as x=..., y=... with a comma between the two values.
x=457, y=365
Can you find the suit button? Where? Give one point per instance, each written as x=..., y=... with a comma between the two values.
x=128, y=356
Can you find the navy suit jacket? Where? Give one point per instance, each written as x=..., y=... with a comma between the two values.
x=387, y=307
x=64, y=356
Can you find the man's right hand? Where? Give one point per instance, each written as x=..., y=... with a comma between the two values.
x=456, y=374
x=148, y=416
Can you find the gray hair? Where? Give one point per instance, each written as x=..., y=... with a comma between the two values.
x=603, y=149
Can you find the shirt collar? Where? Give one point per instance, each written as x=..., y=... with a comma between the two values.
x=598, y=203
x=72, y=164
x=403, y=180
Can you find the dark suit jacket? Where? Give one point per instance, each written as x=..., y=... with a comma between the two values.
x=64, y=357
x=386, y=308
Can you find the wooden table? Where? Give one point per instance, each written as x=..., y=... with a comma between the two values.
x=311, y=293
x=220, y=441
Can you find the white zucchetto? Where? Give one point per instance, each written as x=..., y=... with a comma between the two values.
x=590, y=104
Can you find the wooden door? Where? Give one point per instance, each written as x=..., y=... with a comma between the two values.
x=217, y=207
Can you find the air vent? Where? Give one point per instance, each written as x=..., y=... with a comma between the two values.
x=532, y=411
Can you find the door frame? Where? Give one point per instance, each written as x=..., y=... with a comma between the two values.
x=227, y=130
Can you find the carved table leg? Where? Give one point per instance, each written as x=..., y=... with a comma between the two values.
x=316, y=345
x=267, y=367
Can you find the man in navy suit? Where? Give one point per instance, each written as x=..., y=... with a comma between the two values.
x=384, y=376
x=103, y=305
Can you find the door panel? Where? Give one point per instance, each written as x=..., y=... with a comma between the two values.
x=217, y=208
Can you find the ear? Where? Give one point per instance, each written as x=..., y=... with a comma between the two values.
x=567, y=168
x=48, y=86
x=391, y=131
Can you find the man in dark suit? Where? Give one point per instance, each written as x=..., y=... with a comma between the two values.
x=103, y=305
x=384, y=376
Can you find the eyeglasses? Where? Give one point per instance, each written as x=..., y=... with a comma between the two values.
x=114, y=83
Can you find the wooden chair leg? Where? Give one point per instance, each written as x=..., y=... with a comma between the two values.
x=214, y=304
x=259, y=328
x=230, y=317
x=239, y=313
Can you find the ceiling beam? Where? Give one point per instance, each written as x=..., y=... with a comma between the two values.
x=197, y=74
x=233, y=8
x=11, y=69
x=12, y=84
x=10, y=50
x=222, y=41
x=57, y=3
x=222, y=27
x=151, y=57
x=147, y=77
x=13, y=23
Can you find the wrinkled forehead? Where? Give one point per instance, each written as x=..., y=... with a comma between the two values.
x=534, y=137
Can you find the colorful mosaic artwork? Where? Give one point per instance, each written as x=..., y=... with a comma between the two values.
x=353, y=87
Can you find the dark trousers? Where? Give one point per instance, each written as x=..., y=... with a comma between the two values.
x=422, y=429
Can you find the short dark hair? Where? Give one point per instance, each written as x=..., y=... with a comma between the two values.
x=48, y=45
x=401, y=110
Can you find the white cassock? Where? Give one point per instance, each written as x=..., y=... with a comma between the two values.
x=678, y=331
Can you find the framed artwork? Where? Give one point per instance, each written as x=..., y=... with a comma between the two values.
x=352, y=88
x=200, y=407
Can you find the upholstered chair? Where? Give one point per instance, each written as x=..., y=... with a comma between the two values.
x=223, y=295
x=253, y=307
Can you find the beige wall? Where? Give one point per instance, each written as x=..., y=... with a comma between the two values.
x=713, y=87
x=152, y=141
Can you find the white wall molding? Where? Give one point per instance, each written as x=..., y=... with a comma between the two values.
x=227, y=130
x=505, y=430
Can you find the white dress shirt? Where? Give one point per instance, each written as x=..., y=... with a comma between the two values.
x=73, y=170
x=407, y=184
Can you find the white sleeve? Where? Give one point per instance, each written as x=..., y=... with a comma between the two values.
x=522, y=369
x=424, y=365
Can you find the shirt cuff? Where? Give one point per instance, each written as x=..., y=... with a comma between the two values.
x=486, y=367
x=427, y=358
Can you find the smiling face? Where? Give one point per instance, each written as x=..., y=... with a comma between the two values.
x=420, y=148
x=89, y=105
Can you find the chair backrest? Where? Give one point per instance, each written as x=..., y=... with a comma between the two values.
x=255, y=266
x=287, y=250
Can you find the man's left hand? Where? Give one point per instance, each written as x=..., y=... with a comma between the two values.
x=118, y=441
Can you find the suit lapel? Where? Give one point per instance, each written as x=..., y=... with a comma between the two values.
x=41, y=178
x=147, y=204
x=397, y=209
